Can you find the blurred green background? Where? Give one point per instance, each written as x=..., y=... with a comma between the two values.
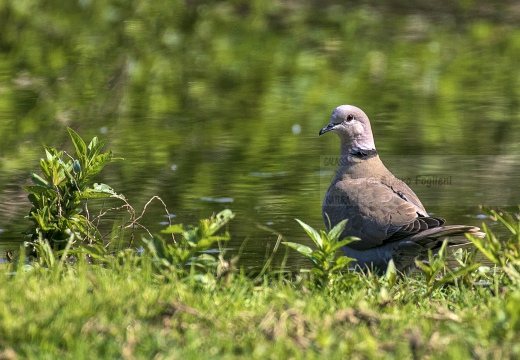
x=218, y=104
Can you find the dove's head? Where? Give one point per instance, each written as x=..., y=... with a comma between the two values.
x=352, y=126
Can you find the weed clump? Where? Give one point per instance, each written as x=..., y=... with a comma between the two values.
x=57, y=195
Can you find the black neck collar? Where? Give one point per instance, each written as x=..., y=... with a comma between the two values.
x=363, y=153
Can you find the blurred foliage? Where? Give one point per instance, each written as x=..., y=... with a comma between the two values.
x=173, y=64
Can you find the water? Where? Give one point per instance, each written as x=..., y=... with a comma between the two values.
x=219, y=106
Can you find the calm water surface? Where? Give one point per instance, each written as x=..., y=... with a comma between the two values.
x=216, y=107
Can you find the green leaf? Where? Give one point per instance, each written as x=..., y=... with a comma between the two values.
x=346, y=241
x=38, y=180
x=95, y=165
x=45, y=252
x=391, y=273
x=486, y=245
x=423, y=266
x=460, y=272
x=302, y=249
x=221, y=219
x=506, y=220
x=79, y=145
x=100, y=191
x=336, y=231
x=35, y=200
x=46, y=166
x=341, y=263
x=205, y=261
x=157, y=246
x=94, y=147
x=314, y=235
x=441, y=255
x=205, y=244
x=36, y=189
x=174, y=229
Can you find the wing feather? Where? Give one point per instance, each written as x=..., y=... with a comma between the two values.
x=377, y=213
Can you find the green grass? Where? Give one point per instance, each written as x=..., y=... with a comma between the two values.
x=174, y=300
x=129, y=309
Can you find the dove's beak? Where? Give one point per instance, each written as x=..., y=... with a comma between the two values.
x=327, y=128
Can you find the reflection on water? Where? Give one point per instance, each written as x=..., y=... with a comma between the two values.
x=218, y=106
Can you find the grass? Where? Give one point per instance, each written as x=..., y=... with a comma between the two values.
x=128, y=309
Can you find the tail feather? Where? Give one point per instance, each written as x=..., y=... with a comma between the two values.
x=433, y=234
x=406, y=250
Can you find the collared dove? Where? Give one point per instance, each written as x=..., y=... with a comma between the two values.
x=381, y=210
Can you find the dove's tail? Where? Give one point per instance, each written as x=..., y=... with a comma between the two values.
x=430, y=238
x=406, y=250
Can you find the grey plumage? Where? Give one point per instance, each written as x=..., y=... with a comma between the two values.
x=381, y=210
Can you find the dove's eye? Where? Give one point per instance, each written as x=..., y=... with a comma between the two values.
x=350, y=117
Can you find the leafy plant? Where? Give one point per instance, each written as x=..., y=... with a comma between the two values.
x=58, y=194
x=504, y=254
x=438, y=274
x=188, y=248
x=324, y=258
